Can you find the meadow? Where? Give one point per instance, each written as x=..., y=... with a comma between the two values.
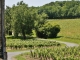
x=70, y=29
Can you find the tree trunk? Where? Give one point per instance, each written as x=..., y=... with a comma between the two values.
x=23, y=33
x=15, y=34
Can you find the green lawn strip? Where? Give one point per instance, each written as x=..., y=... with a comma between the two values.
x=67, y=40
x=20, y=57
x=25, y=56
x=15, y=50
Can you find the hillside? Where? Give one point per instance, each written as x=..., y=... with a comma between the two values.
x=70, y=28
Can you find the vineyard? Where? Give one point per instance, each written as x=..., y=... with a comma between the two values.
x=66, y=53
x=27, y=44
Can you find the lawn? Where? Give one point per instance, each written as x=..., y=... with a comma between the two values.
x=70, y=29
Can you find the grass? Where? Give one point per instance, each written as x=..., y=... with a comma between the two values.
x=25, y=56
x=20, y=57
x=67, y=40
x=15, y=50
x=70, y=29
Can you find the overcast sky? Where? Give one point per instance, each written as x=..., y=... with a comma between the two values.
x=30, y=2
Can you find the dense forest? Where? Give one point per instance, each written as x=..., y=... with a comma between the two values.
x=61, y=9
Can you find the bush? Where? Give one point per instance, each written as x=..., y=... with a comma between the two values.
x=48, y=31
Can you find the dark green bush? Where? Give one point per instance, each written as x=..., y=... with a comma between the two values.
x=48, y=31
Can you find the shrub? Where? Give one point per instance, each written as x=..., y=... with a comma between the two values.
x=48, y=31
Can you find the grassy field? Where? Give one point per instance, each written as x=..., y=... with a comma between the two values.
x=70, y=29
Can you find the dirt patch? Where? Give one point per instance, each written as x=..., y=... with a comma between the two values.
x=13, y=59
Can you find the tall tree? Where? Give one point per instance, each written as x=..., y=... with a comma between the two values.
x=22, y=19
x=8, y=19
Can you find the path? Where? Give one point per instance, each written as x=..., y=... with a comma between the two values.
x=12, y=54
x=67, y=43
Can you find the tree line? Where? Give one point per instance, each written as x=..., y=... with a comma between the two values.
x=61, y=9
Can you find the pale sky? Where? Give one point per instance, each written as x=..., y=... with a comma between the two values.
x=30, y=2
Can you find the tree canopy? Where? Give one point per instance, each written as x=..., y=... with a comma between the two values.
x=22, y=19
x=61, y=9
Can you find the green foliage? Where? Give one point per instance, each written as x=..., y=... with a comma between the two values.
x=69, y=28
x=23, y=19
x=61, y=9
x=20, y=57
x=67, y=53
x=8, y=19
x=17, y=44
x=48, y=31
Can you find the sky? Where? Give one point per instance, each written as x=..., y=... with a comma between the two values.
x=30, y=2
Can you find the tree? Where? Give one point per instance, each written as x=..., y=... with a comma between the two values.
x=22, y=19
x=40, y=20
x=8, y=19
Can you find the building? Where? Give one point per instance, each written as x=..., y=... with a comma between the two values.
x=3, y=54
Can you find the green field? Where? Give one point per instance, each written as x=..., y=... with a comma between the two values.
x=70, y=29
